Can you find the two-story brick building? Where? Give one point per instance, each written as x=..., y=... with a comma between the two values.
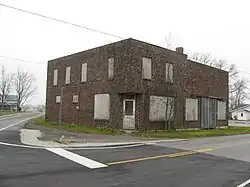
x=131, y=84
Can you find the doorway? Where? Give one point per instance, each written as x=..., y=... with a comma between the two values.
x=129, y=114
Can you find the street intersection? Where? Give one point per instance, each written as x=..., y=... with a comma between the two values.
x=208, y=162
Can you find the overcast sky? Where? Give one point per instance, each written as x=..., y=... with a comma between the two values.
x=219, y=27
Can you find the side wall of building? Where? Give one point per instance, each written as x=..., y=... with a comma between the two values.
x=208, y=82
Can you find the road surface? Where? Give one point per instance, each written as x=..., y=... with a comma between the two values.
x=209, y=162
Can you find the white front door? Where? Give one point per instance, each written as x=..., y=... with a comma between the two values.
x=128, y=114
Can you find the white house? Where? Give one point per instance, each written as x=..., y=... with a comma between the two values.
x=242, y=112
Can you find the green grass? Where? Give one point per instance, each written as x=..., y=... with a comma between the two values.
x=74, y=128
x=6, y=112
x=156, y=134
x=195, y=133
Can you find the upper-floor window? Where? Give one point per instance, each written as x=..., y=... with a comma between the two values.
x=84, y=73
x=146, y=68
x=55, y=77
x=111, y=68
x=67, y=75
x=169, y=73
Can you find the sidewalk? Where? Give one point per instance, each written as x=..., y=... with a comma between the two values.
x=37, y=135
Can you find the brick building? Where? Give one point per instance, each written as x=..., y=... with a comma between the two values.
x=131, y=84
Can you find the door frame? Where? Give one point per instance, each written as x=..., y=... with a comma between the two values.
x=123, y=111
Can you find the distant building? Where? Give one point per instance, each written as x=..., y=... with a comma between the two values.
x=10, y=103
x=241, y=112
x=127, y=84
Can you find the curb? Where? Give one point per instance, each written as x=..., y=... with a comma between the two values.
x=30, y=137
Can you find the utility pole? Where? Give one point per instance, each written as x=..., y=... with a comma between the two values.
x=61, y=105
x=60, y=136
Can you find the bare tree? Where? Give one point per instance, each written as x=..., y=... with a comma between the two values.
x=239, y=93
x=6, y=81
x=24, y=86
x=169, y=118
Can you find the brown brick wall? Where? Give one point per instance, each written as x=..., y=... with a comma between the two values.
x=127, y=56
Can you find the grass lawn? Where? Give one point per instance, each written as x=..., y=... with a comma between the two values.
x=195, y=133
x=156, y=134
x=73, y=127
x=6, y=112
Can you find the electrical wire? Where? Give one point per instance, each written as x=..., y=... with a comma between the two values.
x=61, y=21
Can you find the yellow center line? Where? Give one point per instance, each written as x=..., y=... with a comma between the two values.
x=172, y=155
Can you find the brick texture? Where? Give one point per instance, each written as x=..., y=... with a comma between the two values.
x=191, y=79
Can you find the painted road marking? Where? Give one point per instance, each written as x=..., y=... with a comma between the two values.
x=19, y=122
x=244, y=183
x=172, y=155
x=77, y=158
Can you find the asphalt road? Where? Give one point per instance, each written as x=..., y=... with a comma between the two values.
x=210, y=162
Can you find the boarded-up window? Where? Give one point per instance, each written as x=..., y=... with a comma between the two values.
x=158, y=108
x=101, y=106
x=55, y=77
x=67, y=75
x=75, y=98
x=111, y=68
x=191, y=109
x=221, y=112
x=146, y=68
x=84, y=73
x=169, y=72
x=58, y=99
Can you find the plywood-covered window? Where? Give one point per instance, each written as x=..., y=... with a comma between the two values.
x=55, y=77
x=146, y=68
x=67, y=75
x=169, y=73
x=75, y=98
x=84, y=72
x=158, y=105
x=58, y=99
x=221, y=111
x=101, y=106
x=191, y=109
x=111, y=68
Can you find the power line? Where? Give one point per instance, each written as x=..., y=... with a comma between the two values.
x=21, y=60
x=61, y=21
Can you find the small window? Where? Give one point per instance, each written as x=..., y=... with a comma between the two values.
x=129, y=108
x=146, y=68
x=67, y=75
x=84, y=73
x=111, y=68
x=58, y=99
x=241, y=114
x=75, y=98
x=169, y=72
x=55, y=77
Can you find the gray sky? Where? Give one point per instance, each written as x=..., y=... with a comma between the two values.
x=219, y=27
